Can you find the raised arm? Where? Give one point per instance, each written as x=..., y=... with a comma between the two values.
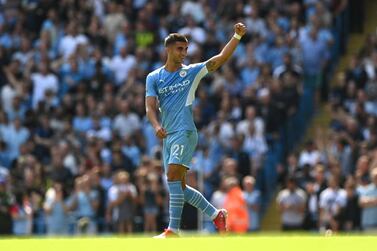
x=216, y=61
x=151, y=110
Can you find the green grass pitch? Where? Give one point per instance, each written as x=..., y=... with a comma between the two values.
x=195, y=243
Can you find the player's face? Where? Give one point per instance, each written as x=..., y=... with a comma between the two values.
x=178, y=51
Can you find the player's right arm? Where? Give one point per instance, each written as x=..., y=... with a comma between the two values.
x=151, y=108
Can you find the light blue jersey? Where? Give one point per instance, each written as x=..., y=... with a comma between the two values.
x=176, y=92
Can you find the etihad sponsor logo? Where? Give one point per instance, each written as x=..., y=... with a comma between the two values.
x=178, y=87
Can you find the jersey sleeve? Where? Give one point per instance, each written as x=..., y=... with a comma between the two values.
x=150, y=90
x=200, y=69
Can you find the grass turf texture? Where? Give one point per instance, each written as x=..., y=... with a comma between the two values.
x=194, y=243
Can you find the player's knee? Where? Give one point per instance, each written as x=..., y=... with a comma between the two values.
x=175, y=173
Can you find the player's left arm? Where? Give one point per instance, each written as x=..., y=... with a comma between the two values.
x=216, y=61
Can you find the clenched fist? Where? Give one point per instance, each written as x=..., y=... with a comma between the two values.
x=240, y=29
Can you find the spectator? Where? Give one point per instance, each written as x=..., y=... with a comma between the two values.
x=288, y=66
x=236, y=152
x=310, y=155
x=17, y=109
x=14, y=135
x=5, y=161
x=97, y=131
x=151, y=199
x=57, y=171
x=121, y=205
x=113, y=20
x=42, y=81
x=84, y=202
x=69, y=43
x=256, y=147
x=12, y=84
x=352, y=210
x=332, y=201
x=22, y=214
x=126, y=122
x=197, y=33
x=218, y=197
x=253, y=200
x=271, y=114
x=122, y=64
x=251, y=118
x=313, y=56
x=368, y=203
x=56, y=208
x=312, y=207
x=291, y=202
x=100, y=211
x=6, y=202
x=235, y=203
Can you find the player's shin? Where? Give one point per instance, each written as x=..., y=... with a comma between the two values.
x=196, y=199
x=176, y=203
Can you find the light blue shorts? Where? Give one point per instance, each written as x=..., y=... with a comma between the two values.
x=179, y=148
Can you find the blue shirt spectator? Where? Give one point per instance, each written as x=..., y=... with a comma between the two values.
x=14, y=135
x=368, y=202
x=132, y=151
x=55, y=209
x=313, y=53
x=253, y=201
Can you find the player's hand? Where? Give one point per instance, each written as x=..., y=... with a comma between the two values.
x=240, y=29
x=160, y=132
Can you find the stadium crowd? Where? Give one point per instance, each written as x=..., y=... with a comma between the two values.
x=77, y=154
x=333, y=180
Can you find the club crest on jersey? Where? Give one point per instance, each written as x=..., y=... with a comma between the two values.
x=183, y=73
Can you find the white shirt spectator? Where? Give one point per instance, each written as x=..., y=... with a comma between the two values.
x=194, y=9
x=195, y=32
x=243, y=127
x=101, y=133
x=218, y=199
x=288, y=198
x=7, y=95
x=99, y=8
x=121, y=66
x=126, y=124
x=331, y=200
x=69, y=43
x=226, y=132
x=42, y=83
x=69, y=162
x=311, y=158
x=255, y=146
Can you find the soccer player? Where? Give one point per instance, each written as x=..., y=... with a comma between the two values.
x=171, y=90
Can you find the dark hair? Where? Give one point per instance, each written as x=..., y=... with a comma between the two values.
x=174, y=37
